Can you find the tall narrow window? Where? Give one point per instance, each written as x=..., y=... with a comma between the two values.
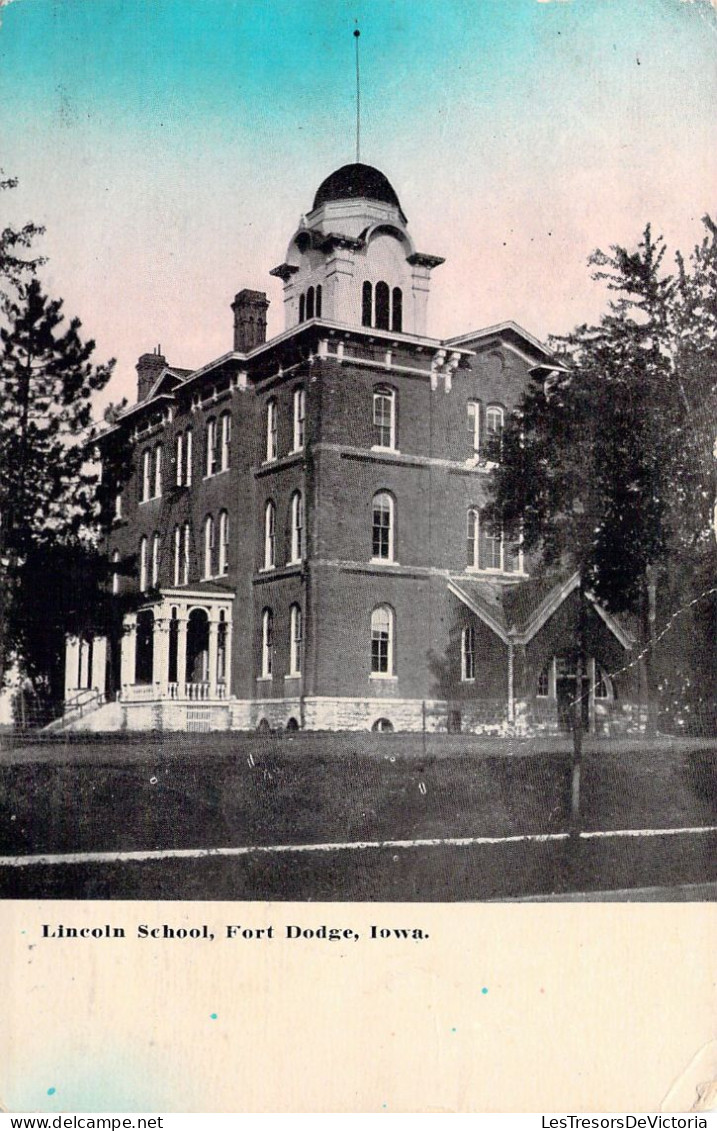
x=269, y=535
x=473, y=421
x=146, y=475
x=188, y=459
x=185, y=554
x=299, y=418
x=223, y=543
x=382, y=543
x=367, y=304
x=382, y=641
x=397, y=310
x=472, y=539
x=318, y=301
x=118, y=505
x=543, y=688
x=157, y=471
x=115, y=573
x=384, y=418
x=267, y=643
x=208, y=545
x=143, y=564
x=155, y=559
x=302, y=308
x=309, y=303
x=179, y=460
x=297, y=527
x=272, y=445
x=211, y=449
x=382, y=306
x=494, y=428
x=295, y=640
x=491, y=549
x=468, y=653
x=226, y=438
x=177, y=555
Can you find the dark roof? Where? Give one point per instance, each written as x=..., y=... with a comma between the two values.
x=351, y=182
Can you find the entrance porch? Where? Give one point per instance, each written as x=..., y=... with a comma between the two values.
x=178, y=649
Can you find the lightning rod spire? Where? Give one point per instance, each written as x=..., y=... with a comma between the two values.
x=357, y=35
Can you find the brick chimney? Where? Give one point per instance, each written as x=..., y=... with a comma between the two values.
x=149, y=367
x=250, y=309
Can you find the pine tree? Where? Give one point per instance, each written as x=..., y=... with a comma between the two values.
x=49, y=513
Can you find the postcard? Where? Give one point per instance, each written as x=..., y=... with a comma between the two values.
x=358, y=542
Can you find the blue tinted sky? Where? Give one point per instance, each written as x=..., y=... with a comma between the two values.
x=170, y=147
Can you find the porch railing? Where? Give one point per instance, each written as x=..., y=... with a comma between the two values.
x=189, y=691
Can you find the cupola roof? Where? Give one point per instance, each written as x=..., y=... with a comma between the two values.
x=352, y=182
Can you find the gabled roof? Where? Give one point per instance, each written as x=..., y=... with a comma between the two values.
x=509, y=330
x=517, y=612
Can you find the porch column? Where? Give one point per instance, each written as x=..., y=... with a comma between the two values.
x=228, y=657
x=128, y=654
x=160, y=653
x=181, y=653
x=72, y=652
x=99, y=663
x=511, y=684
x=213, y=652
x=592, y=672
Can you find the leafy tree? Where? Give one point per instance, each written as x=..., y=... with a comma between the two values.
x=597, y=463
x=49, y=513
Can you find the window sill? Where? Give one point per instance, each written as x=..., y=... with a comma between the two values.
x=267, y=569
x=152, y=499
x=264, y=679
x=468, y=679
x=385, y=561
x=382, y=449
x=384, y=676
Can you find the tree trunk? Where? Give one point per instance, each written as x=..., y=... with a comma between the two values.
x=649, y=618
x=580, y=670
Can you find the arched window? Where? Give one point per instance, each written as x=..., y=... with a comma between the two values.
x=155, y=559
x=384, y=417
x=603, y=686
x=491, y=549
x=226, y=437
x=318, y=301
x=494, y=418
x=383, y=527
x=185, y=554
x=208, y=545
x=211, y=447
x=473, y=421
x=382, y=641
x=157, y=471
x=295, y=640
x=177, y=555
x=267, y=643
x=367, y=304
x=272, y=446
x=297, y=527
x=115, y=573
x=269, y=535
x=179, y=460
x=309, y=303
x=302, y=308
x=223, y=543
x=468, y=653
x=397, y=310
x=383, y=299
x=143, y=563
x=299, y=418
x=146, y=475
x=472, y=537
x=188, y=459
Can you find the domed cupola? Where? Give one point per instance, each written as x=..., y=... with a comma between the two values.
x=358, y=182
x=352, y=260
